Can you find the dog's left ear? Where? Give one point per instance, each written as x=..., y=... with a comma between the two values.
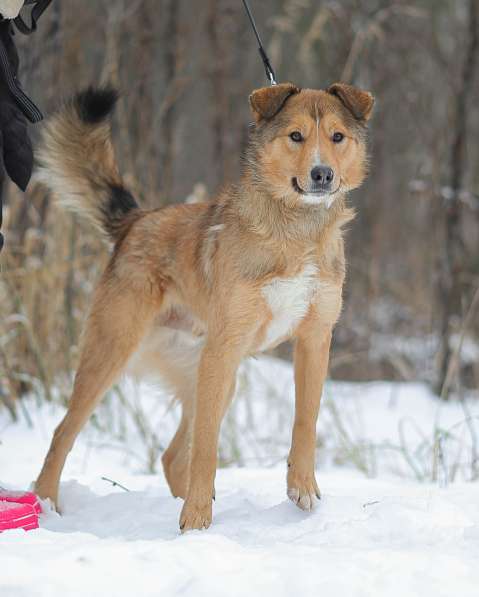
x=360, y=103
x=268, y=101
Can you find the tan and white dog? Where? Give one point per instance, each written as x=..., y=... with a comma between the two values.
x=190, y=290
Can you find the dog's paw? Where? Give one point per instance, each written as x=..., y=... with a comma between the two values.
x=195, y=516
x=303, y=492
x=48, y=494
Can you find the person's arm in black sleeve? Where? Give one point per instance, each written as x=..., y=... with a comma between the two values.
x=16, y=154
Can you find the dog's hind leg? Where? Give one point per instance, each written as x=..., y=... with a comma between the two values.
x=176, y=459
x=119, y=318
x=177, y=456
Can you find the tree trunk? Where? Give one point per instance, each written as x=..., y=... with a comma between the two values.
x=452, y=287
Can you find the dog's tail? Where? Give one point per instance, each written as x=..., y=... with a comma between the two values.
x=77, y=162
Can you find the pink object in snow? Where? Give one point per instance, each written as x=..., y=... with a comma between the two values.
x=18, y=510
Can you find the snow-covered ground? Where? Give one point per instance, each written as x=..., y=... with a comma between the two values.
x=382, y=528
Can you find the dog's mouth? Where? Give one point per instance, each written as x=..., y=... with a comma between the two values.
x=300, y=191
x=296, y=187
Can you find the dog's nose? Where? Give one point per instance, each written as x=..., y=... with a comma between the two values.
x=322, y=175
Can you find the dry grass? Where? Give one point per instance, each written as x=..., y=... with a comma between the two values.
x=48, y=270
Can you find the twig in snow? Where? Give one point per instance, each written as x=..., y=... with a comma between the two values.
x=371, y=503
x=115, y=483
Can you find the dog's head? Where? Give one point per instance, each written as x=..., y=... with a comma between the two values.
x=309, y=146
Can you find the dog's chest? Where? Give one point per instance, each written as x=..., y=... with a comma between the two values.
x=289, y=300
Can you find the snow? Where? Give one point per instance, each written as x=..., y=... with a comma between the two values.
x=388, y=534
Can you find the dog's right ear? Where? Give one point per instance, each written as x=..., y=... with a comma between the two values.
x=268, y=101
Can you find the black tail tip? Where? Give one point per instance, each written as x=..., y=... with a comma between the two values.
x=94, y=105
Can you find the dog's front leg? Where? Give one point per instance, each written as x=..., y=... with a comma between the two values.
x=216, y=377
x=310, y=368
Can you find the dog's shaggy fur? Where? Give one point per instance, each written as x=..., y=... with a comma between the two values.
x=190, y=290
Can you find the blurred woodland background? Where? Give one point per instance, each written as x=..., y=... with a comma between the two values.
x=185, y=70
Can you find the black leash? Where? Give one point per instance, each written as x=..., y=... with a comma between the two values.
x=39, y=7
x=264, y=57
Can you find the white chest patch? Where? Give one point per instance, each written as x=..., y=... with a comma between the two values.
x=327, y=200
x=289, y=300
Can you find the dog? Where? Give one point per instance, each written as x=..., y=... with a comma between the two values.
x=192, y=289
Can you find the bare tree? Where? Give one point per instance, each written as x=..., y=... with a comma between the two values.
x=453, y=283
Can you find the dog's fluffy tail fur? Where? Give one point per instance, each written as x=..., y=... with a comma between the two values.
x=77, y=162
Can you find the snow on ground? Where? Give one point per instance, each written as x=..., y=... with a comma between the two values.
x=389, y=535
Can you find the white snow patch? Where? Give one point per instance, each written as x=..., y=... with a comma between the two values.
x=367, y=538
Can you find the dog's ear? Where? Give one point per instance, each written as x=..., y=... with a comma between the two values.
x=358, y=102
x=268, y=101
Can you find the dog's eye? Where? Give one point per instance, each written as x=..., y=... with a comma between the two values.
x=338, y=137
x=296, y=136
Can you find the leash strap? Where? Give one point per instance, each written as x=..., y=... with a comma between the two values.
x=264, y=57
x=37, y=11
